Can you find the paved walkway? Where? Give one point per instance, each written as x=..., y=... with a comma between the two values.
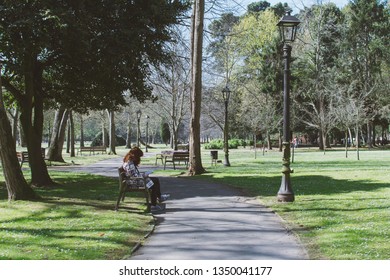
x=205, y=220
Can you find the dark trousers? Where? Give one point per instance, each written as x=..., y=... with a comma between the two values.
x=155, y=191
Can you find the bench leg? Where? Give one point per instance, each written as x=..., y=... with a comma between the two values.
x=157, y=158
x=121, y=196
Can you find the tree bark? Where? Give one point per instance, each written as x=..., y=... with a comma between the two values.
x=370, y=134
x=104, y=132
x=81, y=131
x=15, y=118
x=128, y=134
x=71, y=138
x=17, y=187
x=58, y=135
x=112, y=136
x=195, y=161
x=68, y=137
x=31, y=119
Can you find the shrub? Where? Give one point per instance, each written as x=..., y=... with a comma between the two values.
x=218, y=144
x=214, y=144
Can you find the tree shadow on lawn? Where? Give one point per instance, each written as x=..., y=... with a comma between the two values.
x=301, y=185
x=82, y=189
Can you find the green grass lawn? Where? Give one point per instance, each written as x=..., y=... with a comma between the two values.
x=341, y=208
x=74, y=221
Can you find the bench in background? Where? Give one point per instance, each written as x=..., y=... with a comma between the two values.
x=23, y=156
x=177, y=157
x=92, y=150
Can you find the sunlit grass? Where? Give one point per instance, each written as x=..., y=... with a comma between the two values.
x=74, y=221
x=341, y=208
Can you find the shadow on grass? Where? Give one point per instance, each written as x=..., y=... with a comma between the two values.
x=81, y=189
x=72, y=220
x=301, y=185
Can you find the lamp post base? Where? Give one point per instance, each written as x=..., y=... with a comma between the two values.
x=285, y=197
x=286, y=193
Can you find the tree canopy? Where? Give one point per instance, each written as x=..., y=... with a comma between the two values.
x=81, y=55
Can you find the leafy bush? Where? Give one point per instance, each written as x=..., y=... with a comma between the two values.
x=214, y=144
x=218, y=144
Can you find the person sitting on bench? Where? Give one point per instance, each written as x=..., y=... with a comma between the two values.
x=130, y=163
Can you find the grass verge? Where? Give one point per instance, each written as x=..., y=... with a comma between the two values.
x=76, y=221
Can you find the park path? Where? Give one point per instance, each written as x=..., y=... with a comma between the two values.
x=204, y=220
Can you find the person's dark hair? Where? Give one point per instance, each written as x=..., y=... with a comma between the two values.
x=134, y=155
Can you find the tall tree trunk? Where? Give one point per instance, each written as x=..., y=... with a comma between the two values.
x=68, y=137
x=280, y=142
x=350, y=137
x=71, y=136
x=17, y=187
x=128, y=134
x=31, y=119
x=58, y=135
x=81, y=131
x=346, y=143
x=104, y=132
x=324, y=141
x=195, y=164
x=321, y=142
x=357, y=142
x=269, y=144
x=370, y=134
x=112, y=136
x=22, y=138
x=15, y=119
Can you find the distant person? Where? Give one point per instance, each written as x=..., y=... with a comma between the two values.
x=295, y=142
x=130, y=164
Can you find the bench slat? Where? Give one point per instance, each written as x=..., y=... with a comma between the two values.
x=177, y=156
x=23, y=156
x=92, y=149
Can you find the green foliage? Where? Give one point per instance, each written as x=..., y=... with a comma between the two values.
x=220, y=47
x=232, y=143
x=260, y=6
x=86, y=53
x=214, y=144
x=235, y=143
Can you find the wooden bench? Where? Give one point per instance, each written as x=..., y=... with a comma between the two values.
x=131, y=184
x=23, y=156
x=162, y=156
x=92, y=150
x=177, y=156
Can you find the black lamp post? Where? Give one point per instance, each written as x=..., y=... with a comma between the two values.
x=138, y=127
x=147, y=133
x=226, y=96
x=288, y=25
